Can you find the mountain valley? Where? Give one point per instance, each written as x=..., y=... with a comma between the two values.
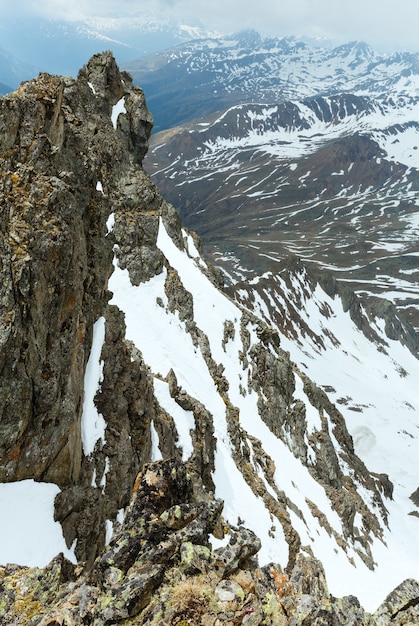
x=331, y=178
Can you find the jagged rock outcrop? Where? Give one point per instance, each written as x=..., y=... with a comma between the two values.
x=64, y=169
x=160, y=568
x=364, y=311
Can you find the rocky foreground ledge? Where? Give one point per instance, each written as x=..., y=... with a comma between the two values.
x=161, y=569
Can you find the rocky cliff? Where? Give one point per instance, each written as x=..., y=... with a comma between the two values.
x=117, y=348
x=57, y=144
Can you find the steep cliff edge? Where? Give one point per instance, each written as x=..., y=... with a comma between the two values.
x=58, y=144
x=117, y=347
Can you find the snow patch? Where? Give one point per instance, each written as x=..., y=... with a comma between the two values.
x=28, y=533
x=117, y=109
x=156, y=455
x=184, y=420
x=93, y=425
x=110, y=223
x=108, y=531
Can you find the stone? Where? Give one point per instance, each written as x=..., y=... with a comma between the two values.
x=57, y=143
x=242, y=546
x=160, y=569
x=401, y=606
x=229, y=591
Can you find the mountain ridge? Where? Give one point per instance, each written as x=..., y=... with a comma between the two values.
x=246, y=68
x=61, y=46
x=99, y=269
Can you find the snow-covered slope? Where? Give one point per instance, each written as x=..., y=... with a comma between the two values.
x=28, y=533
x=297, y=129
x=365, y=382
x=372, y=381
x=282, y=458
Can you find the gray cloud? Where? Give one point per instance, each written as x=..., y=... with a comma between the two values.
x=384, y=24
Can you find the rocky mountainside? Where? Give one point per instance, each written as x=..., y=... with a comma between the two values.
x=204, y=476
x=160, y=569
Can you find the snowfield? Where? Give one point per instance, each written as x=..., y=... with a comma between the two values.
x=363, y=372
x=376, y=393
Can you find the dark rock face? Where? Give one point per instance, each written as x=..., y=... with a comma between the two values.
x=64, y=168
x=54, y=288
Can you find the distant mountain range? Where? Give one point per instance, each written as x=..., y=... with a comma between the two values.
x=4, y=89
x=13, y=71
x=204, y=76
x=316, y=155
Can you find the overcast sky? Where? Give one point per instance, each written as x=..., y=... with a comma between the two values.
x=386, y=24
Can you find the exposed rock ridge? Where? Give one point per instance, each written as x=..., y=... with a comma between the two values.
x=295, y=283
x=272, y=376
x=161, y=569
x=66, y=165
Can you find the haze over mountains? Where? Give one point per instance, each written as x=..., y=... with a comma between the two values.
x=62, y=47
